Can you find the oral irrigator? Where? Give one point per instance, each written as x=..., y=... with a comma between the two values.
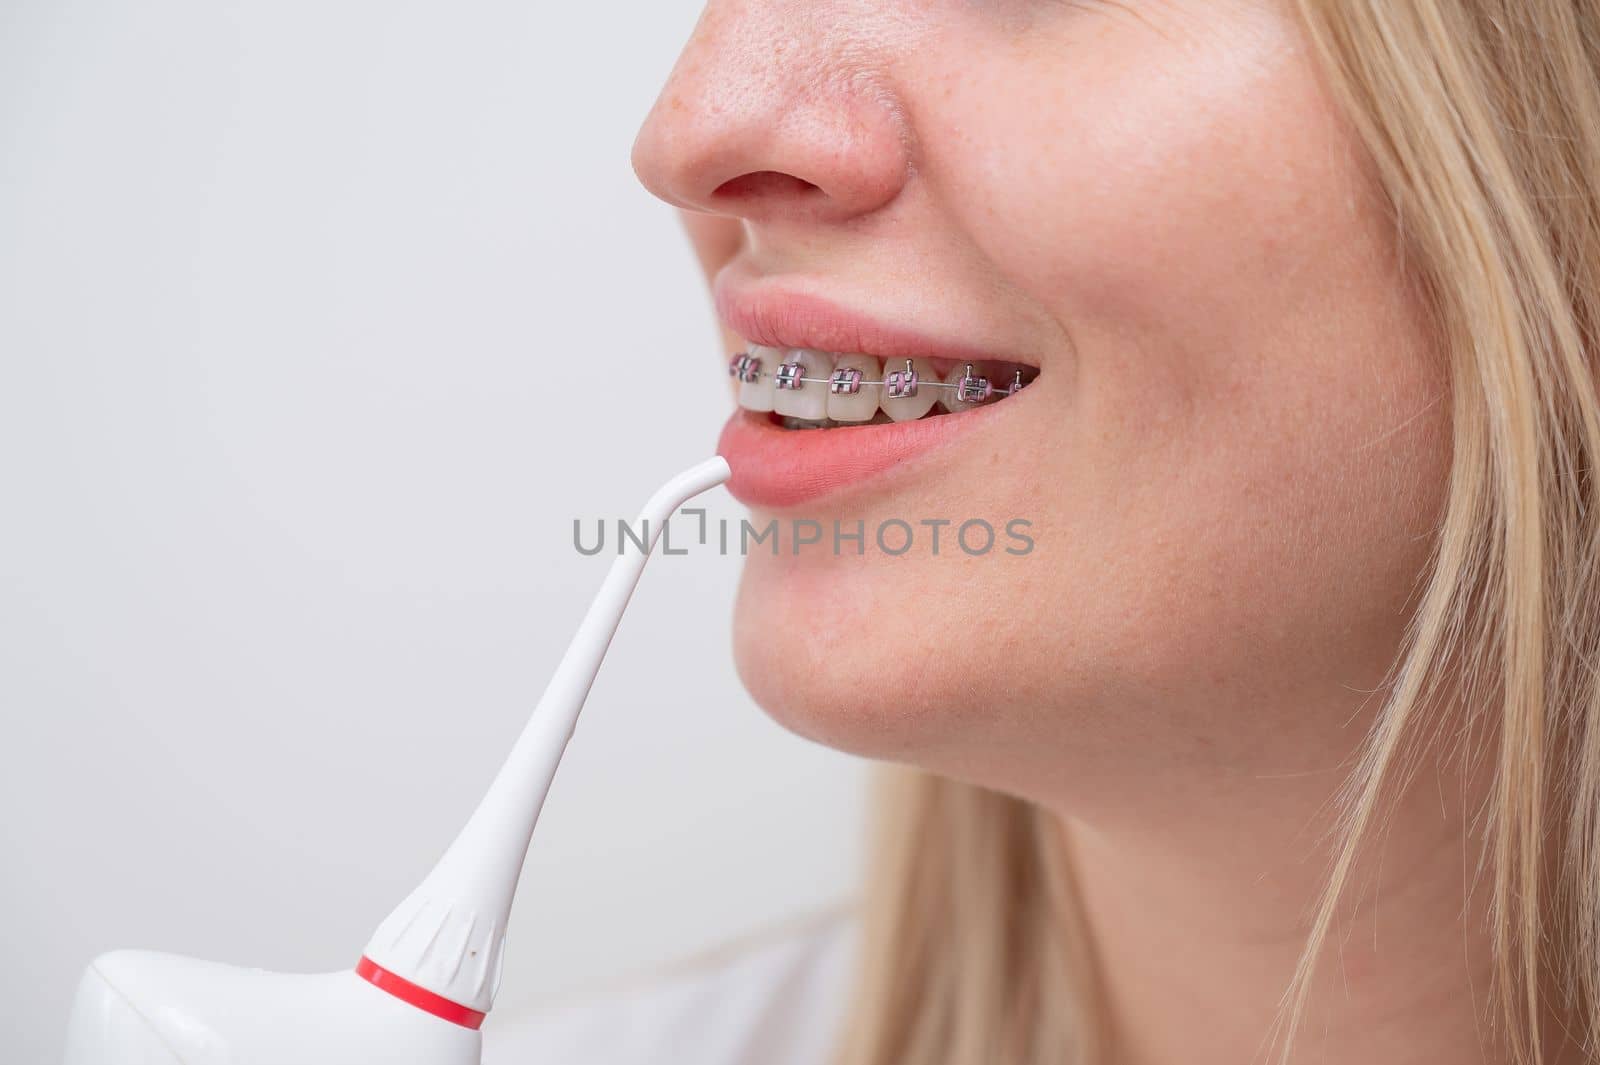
x=429, y=976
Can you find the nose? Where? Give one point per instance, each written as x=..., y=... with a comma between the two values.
x=770, y=117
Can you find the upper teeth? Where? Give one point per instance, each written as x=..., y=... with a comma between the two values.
x=816, y=386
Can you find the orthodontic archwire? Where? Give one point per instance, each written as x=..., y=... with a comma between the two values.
x=970, y=387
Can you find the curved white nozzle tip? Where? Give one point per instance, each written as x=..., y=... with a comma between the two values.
x=449, y=934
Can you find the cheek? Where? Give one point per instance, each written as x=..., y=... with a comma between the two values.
x=1157, y=182
x=1255, y=433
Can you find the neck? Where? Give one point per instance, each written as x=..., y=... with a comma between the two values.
x=1198, y=927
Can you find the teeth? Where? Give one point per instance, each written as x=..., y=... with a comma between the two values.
x=970, y=384
x=860, y=407
x=757, y=395
x=802, y=390
x=810, y=389
x=909, y=408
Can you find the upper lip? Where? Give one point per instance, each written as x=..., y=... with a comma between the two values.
x=766, y=313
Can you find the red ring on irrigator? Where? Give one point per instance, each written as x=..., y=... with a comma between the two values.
x=420, y=997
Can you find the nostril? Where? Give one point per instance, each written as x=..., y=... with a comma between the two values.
x=762, y=184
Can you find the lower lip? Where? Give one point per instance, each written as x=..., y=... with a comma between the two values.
x=776, y=467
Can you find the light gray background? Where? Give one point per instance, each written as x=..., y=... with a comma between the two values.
x=296, y=300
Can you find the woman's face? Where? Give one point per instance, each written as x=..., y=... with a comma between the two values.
x=1234, y=448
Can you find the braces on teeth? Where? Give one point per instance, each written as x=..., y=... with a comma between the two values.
x=899, y=384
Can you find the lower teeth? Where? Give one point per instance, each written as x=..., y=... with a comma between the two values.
x=827, y=423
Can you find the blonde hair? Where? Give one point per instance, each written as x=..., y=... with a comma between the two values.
x=1482, y=118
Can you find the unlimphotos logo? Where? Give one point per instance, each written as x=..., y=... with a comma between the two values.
x=971, y=537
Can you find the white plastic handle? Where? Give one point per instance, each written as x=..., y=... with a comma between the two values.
x=449, y=934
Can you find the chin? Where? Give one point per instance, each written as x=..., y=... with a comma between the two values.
x=887, y=658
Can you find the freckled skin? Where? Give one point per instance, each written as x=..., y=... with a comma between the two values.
x=1236, y=445
x=1233, y=459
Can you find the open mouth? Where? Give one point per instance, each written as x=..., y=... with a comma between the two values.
x=803, y=388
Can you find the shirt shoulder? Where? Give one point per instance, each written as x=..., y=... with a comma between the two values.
x=776, y=998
